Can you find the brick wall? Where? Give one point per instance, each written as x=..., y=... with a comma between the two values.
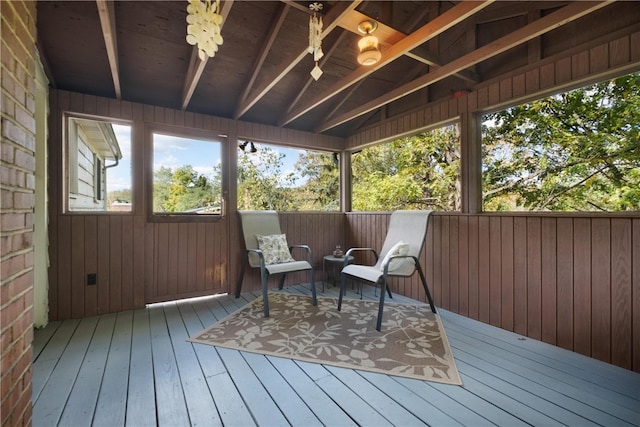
x=17, y=183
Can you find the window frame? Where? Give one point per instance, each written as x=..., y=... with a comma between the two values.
x=186, y=133
x=70, y=157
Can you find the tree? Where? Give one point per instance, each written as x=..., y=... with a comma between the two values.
x=321, y=191
x=183, y=190
x=574, y=151
x=416, y=172
x=261, y=182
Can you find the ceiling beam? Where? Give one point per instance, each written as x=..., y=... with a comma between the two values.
x=264, y=51
x=196, y=65
x=550, y=22
x=388, y=36
x=106, y=10
x=448, y=19
x=331, y=20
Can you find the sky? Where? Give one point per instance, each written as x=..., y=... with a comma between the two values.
x=172, y=152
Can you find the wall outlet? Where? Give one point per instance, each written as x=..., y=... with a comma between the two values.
x=92, y=279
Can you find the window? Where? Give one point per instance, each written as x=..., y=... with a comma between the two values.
x=98, y=165
x=416, y=172
x=287, y=179
x=187, y=176
x=575, y=151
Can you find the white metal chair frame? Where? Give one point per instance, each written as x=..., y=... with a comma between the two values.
x=407, y=226
x=268, y=223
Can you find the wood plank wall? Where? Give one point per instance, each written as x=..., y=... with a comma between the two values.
x=571, y=281
x=140, y=260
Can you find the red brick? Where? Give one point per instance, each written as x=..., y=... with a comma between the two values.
x=6, y=199
x=7, y=151
x=5, y=246
x=23, y=200
x=30, y=182
x=22, y=241
x=26, y=160
x=12, y=221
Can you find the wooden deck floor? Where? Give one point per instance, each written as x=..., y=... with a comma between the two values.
x=135, y=368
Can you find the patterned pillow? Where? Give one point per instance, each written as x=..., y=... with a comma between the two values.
x=274, y=248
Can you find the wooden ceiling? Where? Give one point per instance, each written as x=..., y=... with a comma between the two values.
x=136, y=51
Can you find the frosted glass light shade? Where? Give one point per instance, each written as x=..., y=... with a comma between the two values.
x=369, y=52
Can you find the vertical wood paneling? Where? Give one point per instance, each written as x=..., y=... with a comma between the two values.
x=546, y=268
x=621, y=293
x=484, y=260
x=103, y=271
x=90, y=263
x=139, y=260
x=582, y=285
x=77, y=266
x=474, y=267
x=601, y=287
x=635, y=284
x=520, y=300
x=495, y=271
x=534, y=280
x=115, y=263
x=549, y=284
x=445, y=289
x=436, y=285
x=64, y=296
x=506, y=257
x=565, y=297
x=126, y=267
x=454, y=277
x=463, y=262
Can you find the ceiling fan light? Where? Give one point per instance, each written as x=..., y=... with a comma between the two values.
x=369, y=57
x=369, y=52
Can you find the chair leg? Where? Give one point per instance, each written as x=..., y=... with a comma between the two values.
x=313, y=288
x=381, y=304
x=426, y=288
x=281, y=284
x=239, y=285
x=265, y=291
x=343, y=284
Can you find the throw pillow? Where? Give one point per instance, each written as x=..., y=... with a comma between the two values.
x=274, y=248
x=400, y=248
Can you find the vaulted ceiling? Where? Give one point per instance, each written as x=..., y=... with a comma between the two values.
x=136, y=51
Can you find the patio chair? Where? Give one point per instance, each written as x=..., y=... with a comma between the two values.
x=399, y=257
x=267, y=250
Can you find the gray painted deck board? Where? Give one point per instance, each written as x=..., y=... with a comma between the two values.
x=136, y=368
x=141, y=395
x=112, y=402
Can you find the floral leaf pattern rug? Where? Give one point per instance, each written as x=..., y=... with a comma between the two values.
x=412, y=342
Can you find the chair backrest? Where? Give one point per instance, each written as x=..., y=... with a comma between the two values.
x=258, y=222
x=409, y=227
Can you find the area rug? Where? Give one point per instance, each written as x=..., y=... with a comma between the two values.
x=412, y=342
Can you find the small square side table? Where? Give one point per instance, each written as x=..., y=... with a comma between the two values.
x=335, y=263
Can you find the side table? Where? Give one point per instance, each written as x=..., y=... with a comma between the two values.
x=335, y=263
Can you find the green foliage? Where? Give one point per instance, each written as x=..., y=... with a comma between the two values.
x=184, y=190
x=322, y=188
x=418, y=172
x=261, y=182
x=575, y=151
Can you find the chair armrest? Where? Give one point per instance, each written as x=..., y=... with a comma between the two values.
x=306, y=248
x=259, y=253
x=385, y=267
x=351, y=250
